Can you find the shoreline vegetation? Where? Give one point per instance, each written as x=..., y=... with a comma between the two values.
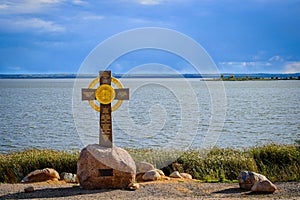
x=255, y=78
x=216, y=77
x=280, y=163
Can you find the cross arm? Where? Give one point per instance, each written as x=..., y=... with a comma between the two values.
x=89, y=94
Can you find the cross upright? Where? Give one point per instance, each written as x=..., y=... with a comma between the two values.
x=105, y=94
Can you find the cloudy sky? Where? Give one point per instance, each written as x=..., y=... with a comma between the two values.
x=55, y=36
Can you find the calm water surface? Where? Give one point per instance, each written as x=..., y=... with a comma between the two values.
x=38, y=113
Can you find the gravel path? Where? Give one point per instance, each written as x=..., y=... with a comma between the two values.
x=173, y=189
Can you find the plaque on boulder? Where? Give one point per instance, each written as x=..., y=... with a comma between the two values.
x=102, y=165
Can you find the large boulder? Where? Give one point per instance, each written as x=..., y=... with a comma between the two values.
x=264, y=186
x=41, y=175
x=247, y=179
x=100, y=167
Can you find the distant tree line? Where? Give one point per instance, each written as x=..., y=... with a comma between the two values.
x=247, y=78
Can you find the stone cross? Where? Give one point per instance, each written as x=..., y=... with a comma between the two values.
x=105, y=94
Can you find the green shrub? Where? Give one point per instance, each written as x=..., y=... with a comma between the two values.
x=157, y=157
x=277, y=162
x=15, y=166
x=221, y=164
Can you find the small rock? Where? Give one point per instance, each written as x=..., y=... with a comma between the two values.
x=247, y=179
x=160, y=172
x=166, y=178
x=139, y=177
x=69, y=177
x=264, y=186
x=29, y=189
x=175, y=174
x=144, y=167
x=41, y=175
x=186, y=175
x=133, y=186
x=151, y=175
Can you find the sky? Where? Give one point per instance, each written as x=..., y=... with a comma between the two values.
x=55, y=36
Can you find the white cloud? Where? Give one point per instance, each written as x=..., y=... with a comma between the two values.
x=93, y=17
x=274, y=65
x=140, y=21
x=18, y=16
x=248, y=67
x=292, y=67
x=49, y=44
x=276, y=58
x=27, y=6
x=242, y=64
x=156, y=2
x=79, y=2
x=42, y=25
x=14, y=68
x=260, y=55
x=3, y=6
x=46, y=1
x=31, y=24
x=149, y=2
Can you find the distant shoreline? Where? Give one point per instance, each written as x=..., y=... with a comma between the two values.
x=224, y=76
x=251, y=78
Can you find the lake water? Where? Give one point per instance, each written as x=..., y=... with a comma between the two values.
x=171, y=113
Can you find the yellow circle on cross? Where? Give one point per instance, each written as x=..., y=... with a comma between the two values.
x=97, y=107
x=105, y=94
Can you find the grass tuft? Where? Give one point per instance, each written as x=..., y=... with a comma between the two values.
x=15, y=166
x=277, y=162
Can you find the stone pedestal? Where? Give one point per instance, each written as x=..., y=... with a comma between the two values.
x=100, y=167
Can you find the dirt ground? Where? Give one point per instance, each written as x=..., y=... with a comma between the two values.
x=172, y=189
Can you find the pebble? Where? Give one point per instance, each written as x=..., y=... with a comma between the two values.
x=186, y=175
x=29, y=189
x=175, y=174
x=134, y=186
